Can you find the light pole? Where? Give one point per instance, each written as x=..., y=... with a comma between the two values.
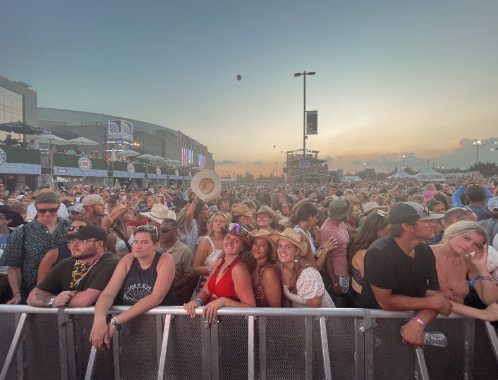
x=404, y=159
x=428, y=161
x=304, y=73
x=479, y=145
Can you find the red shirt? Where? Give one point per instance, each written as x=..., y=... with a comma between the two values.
x=132, y=223
x=225, y=287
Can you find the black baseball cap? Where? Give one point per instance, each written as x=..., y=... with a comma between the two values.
x=407, y=212
x=89, y=232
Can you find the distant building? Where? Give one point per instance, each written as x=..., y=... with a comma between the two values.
x=17, y=103
x=158, y=140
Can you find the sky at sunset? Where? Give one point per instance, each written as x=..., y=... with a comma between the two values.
x=392, y=77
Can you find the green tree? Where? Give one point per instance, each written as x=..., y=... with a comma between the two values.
x=409, y=170
x=487, y=169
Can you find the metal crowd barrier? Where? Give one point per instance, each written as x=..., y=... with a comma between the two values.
x=256, y=343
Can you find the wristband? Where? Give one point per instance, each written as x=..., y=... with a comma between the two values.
x=418, y=320
x=209, y=269
x=51, y=302
x=197, y=299
x=487, y=278
x=15, y=295
x=115, y=324
x=335, y=284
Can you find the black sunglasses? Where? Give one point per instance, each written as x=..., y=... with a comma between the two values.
x=45, y=210
x=74, y=228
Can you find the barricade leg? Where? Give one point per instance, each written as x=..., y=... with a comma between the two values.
x=116, y=354
x=206, y=351
x=421, y=372
x=325, y=349
x=13, y=346
x=493, y=339
x=369, y=324
x=469, y=336
x=215, y=355
x=250, y=347
x=91, y=364
x=164, y=348
x=262, y=347
x=308, y=353
x=359, y=352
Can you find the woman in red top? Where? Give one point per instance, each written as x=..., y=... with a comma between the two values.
x=230, y=283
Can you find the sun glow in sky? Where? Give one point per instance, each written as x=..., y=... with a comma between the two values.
x=393, y=78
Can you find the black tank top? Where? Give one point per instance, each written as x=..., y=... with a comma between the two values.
x=140, y=282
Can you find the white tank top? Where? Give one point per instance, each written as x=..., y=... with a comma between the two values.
x=310, y=238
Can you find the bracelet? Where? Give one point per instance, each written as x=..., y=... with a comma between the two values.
x=209, y=269
x=418, y=320
x=197, y=299
x=487, y=278
x=335, y=284
x=15, y=295
x=115, y=324
x=51, y=302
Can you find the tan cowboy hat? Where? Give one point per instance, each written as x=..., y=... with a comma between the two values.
x=158, y=212
x=371, y=206
x=265, y=235
x=117, y=211
x=268, y=211
x=292, y=237
x=206, y=184
x=298, y=204
x=241, y=209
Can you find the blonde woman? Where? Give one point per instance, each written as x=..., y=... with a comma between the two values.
x=302, y=283
x=461, y=262
x=209, y=249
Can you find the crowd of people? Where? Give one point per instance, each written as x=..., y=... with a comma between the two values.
x=376, y=244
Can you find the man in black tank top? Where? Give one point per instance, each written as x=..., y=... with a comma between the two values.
x=78, y=280
x=400, y=271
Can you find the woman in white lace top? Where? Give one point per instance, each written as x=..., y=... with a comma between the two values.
x=302, y=283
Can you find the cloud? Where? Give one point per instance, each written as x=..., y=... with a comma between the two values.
x=329, y=159
x=227, y=162
x=256, y=163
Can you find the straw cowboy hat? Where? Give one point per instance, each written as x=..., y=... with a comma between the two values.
x=117, y=211
x=292, y=237
x=298, y=204
x=371, y=206
x=241, y=209
x=265, y=235
x=206, y=184
x=268, y=211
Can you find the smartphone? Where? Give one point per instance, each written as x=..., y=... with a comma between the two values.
x=476, y=176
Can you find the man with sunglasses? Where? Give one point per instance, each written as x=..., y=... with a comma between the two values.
x=185, y=283
x=400, y=271
x=28, y=245
x=78, y=280
x=62, y=211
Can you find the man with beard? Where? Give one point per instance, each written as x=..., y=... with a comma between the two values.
x=78, y=280
x=94, y=208
x=400, y=271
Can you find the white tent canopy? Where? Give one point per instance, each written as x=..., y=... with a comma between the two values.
x=401, y=174
x=429, y=174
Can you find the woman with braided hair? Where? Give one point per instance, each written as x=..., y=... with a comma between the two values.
x=230, y=283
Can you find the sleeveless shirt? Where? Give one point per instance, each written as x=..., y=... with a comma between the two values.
x=225, y=286
x=210, y=259
x=140, y=282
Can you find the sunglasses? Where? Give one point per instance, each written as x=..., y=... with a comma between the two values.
x=238, y=229
x=166, y=230
x=148, y=229
x=74, y=228
x=381, y=213
x=45, y=210
x=467, y=209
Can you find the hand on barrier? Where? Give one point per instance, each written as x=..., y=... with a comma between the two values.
x=190, y=307
x=63, y=298
x=16, y=299
x=99, y=336
x=444, y=305
x=412, y=334
x=490, y=314
x=209, y=312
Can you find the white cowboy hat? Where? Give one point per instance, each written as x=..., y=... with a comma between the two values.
x=206, y=184
x=159, y=212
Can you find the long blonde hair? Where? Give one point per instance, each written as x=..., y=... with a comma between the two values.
x=465, y=227
x=210, y=231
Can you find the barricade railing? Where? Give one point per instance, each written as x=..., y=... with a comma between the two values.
x=255, y=343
